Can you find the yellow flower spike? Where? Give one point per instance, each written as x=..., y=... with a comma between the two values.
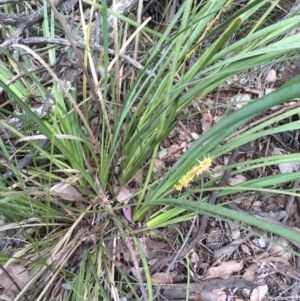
x=190, y=175
x=178, y=187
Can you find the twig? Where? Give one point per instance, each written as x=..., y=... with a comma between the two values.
x=22, y=73
x=148, y=6
x=26, y=22
x=93, y=46
x=11, y=19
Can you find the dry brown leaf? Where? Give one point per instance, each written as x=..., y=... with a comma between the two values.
x=91, y=237
x=135, y=272
x=287, y=270
x=276, y=151
x=225, y=269
x=259, y=293
x=235, y=232
x=237, y=180
x=66, y=191
x=143, y=245
x=218, y=173
x=158, y=277
x=194, y=257
x=221, y=296
x=122, y=248
x=229, y=249
x=138, y=177
x=251, y=273
x=285, y=167
x=184, y=146
x=152, y=261
x=242, y=99
x=206, y=121
x=278, y=248
x=158, y=165
x=245, y=249
x=124, y=195
x=174, y=152
x=195, y=260
x=275, y=259
x=260, y=242
x=20, y=276
x=155, y=245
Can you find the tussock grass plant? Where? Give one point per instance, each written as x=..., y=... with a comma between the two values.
x=133, y=124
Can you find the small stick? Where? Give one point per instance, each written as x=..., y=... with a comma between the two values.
x=23, y=23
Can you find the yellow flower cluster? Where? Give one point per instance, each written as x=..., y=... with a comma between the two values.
x=190, y=175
